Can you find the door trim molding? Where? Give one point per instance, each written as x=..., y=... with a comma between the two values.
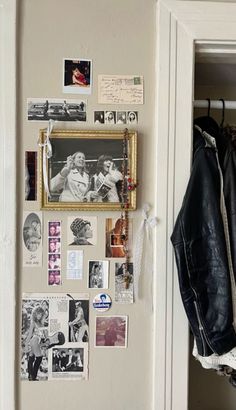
x=8, y=202
x=179, y=25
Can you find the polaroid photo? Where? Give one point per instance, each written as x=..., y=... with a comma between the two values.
x=111, y=331
x=99, y=117
x=82, y=230
x=77, y=76
x=98, y=274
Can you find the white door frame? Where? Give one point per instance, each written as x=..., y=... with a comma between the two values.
x=179, y=25
x=8, y=207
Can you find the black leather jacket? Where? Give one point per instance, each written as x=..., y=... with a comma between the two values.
x=200, y=244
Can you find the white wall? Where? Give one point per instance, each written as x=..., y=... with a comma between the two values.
x=120, y=39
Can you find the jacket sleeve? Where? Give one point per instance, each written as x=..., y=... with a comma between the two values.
x=57, y=183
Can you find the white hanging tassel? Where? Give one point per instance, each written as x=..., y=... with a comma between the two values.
x=143, y=239
x=47, y=153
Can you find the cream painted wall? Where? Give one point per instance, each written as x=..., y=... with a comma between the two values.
x=120, y=39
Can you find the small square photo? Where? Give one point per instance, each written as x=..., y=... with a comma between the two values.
x=111, y=331
x=77, y=76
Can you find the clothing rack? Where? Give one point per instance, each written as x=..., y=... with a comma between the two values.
x=215, y=104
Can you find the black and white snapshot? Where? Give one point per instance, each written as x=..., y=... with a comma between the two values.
x=44, y=109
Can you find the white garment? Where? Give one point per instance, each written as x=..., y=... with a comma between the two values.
x=215, y=361
x=74, y=186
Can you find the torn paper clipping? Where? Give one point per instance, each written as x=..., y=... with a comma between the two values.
x=54, y=337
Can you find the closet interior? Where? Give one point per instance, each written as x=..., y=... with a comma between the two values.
x=215, y=80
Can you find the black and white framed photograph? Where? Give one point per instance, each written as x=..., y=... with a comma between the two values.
x=78, y=320
x=77, y=76
x=98, y=274
x=45, y=109
x=86, y=170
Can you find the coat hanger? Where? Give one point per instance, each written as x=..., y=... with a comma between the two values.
x=223, y=113
x=207, y=123
x=209, y=107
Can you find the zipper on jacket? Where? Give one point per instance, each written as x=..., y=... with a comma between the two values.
x=201, y=330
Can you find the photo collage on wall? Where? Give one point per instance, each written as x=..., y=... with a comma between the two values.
x=80, y=173
x=59, y=349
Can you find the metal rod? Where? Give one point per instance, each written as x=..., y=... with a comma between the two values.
x=215, y=104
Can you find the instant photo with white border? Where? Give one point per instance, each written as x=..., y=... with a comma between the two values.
x=77, y=76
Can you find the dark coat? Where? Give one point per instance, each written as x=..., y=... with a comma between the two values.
x=200, y=244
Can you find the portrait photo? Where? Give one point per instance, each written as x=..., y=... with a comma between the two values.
x=32, y=232
x=111, y=331
x=110, y=117
x=77, y=76
x=132, y=117
x=87, y=170
x=121, y=117
x=54, y=277
x=54, y=245
x=54, y=229
x=99, y=117
x=82, y=230
x=98, y=274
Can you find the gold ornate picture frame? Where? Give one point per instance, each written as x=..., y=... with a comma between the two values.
x=84, y=171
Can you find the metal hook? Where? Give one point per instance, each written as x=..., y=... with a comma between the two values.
x=223, y=112
x=209, y=107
